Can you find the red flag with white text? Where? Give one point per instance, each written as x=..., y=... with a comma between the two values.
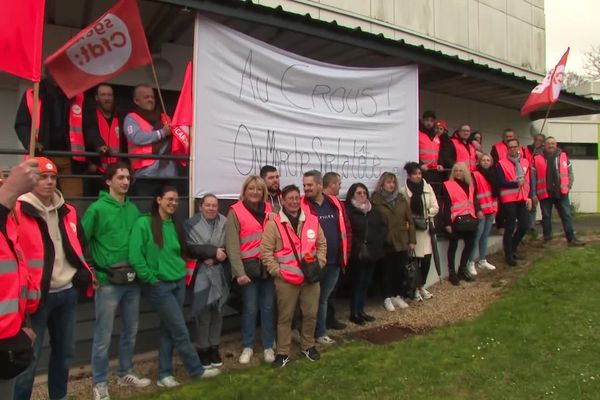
x=548, y=90
x=21, y=32
x=183, y=118
x=113, y=44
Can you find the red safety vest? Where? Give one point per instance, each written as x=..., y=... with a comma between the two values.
x=510, y=195
x=488, y=203
x=541, y=164
x=306, y=247
x=147, y=149
x=467, y=157
x=32, y=242
x=16, y=293
x=75, y=122
x=460, y=204
x=341, y=224
x=502, y=150
x=250, y=230
x=110, y=135
x=429, y=150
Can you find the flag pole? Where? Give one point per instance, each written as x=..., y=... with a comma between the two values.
x=162, y=102
x=34, y=118
x=546, y=118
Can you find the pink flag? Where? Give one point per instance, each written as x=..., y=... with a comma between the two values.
x=547, y=91
x=114, y=43
x=183, y=117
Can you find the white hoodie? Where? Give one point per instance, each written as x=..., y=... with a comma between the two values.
x=62, y=272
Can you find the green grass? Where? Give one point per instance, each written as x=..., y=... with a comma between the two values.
x=541, y=340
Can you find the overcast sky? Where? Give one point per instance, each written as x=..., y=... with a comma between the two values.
x=574, y=23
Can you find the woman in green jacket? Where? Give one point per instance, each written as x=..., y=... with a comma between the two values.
x=156, y=251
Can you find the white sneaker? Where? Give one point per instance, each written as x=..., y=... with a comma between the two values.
x=326, y=340
x=168, y=382
x=296, y=336
x=417, y=296
x=246, y=355
x=388, y=305
x=269, y=355
x=483, y=264
x=210, y=373
x=100, y=391
x=133, y=380
x=471, y=268
x=425, y=294
x=399, y=302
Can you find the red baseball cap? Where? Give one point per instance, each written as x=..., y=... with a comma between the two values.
x=46, y=165
x=442, y=124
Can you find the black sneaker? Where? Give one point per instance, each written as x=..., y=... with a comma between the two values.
x=453, y=278
x=312, y=354
x=336, y=325
x=215, y=357
x=281, y=360
x=512, y=262
x=366, y=317
x=204, y=355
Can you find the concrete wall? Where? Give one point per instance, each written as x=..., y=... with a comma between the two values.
x=507, y=34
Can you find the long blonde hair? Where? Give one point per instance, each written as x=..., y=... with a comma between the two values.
x=384, y=177
x=459, y=166
x=259, y=182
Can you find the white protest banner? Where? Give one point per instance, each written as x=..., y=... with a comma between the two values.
x=256, y=104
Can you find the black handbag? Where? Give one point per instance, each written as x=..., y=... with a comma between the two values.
x=252, y=268
x=465, y=223
x=119, y=274
x=16, y=354
x=364, y=254
x=411, y=274
x=311, y=269
x=421, y=221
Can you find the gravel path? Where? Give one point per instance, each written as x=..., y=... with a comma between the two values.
x=449, y=305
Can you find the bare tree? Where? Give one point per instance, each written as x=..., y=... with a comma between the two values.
x=573, y=79
x=591, y=64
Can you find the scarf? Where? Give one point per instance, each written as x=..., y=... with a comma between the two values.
x=515, y=160
x=390, y=198
x=491, y=177
x=257, y=211
x=294, y=221
x=211, y=286
x=552, y=175
x=363, y=207
x=416, y=200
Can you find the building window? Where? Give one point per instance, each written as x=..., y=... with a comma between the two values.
x=580, y=151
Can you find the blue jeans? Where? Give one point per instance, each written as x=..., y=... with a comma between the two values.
x=257, y=295
x=332, y=273
x=58, y=314
x=564, y=212
x=167, y=300
x=109, y=299
x=481, y=237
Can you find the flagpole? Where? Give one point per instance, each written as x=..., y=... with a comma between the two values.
x=34, y=118
x=162, y=102
x=546, y=118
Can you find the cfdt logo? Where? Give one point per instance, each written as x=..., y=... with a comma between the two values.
x=104, y=49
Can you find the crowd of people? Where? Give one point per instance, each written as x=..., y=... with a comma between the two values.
x=283, y=248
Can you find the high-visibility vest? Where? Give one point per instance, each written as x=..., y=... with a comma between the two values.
x=467, y=157
x=460, y=203
x=429, y=150
x=32, y=241
x=75, y=122
x=14, y=284
x=541, y=164
x=146, y=149
x=250, y=230
x=488, y=203
x=306, y=247
x=341, y=224
x=110, y=135
x=510, y=195
x=502, y=150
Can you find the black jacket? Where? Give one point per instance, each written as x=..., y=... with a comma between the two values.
x=369, y=227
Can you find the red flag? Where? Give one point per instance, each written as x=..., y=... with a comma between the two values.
x=21, y=31
x=547, y=91
x=183, y=117
x=113, y=44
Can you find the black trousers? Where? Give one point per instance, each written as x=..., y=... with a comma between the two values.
x=469, y=238
x=394, y=274
x=516, y=224
x=424, y=266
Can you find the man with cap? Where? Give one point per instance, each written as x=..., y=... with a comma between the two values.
x=48, y=234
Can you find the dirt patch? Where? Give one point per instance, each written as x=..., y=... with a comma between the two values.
x=449, y=305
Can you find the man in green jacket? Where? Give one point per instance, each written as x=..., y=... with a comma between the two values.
x=107, y=224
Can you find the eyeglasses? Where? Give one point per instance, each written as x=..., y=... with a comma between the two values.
x=360, y=192
x=171, y=200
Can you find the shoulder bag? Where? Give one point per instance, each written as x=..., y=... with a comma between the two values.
x=312, y=270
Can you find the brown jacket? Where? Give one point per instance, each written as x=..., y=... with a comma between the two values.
x=271, y=243
x=401, y=228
